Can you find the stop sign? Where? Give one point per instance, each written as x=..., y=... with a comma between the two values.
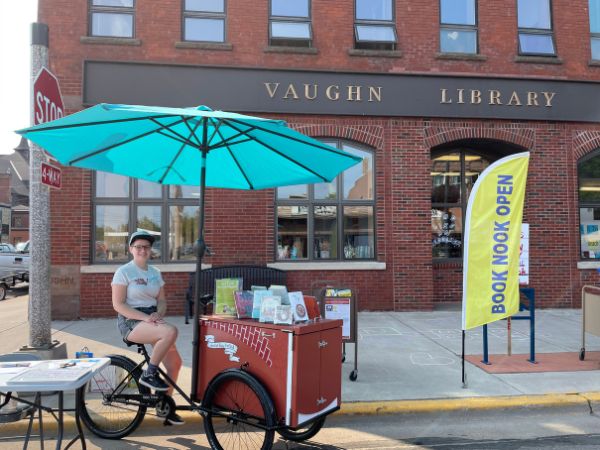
x=47, y=101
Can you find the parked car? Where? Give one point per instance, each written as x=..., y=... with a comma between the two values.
x=22, y=247
x=11, y=259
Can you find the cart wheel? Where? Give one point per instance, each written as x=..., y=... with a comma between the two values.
x=302, y=433
x=239, y=414
x=3, y=289
x=165, y=406
x=582, y=354
x=353, y=375
x=109, y=403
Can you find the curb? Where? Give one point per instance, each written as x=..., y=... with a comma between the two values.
x=582, y=399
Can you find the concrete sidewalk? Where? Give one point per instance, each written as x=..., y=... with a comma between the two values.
x=407, y=361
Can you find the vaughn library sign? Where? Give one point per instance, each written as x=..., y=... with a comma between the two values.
x=340, y=93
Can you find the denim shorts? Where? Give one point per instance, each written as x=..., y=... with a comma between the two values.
x=126, y=325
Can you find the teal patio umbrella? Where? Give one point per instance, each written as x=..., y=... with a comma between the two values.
x=189, y=146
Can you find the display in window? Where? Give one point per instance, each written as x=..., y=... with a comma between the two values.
x=589, y=229
x=446, y=231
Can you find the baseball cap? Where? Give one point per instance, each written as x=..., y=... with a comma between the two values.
x=140, y=235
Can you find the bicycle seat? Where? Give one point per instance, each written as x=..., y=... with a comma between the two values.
x=131, y=343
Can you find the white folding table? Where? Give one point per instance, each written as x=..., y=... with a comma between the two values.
x=54, y=376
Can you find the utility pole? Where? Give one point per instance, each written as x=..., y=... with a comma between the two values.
x=39, y=225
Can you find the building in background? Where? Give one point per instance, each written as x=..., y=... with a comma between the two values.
x=14, y=194
x=428, y=96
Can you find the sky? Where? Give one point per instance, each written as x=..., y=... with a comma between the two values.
x=16, y=18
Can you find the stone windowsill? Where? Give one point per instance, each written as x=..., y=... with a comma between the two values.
x=538, y=59
x=375, y=53
x=594, y=63
x=593, y=265
x=334, y=265
x=294, y=50
x=220, y=46
x=164, y=268
x=109, y=40
x=461, y=56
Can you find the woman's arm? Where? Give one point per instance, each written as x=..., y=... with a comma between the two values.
x=161, y=303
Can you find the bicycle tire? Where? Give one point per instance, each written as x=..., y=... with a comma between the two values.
x=239, y=413
x=112, y=419
x=302, y=433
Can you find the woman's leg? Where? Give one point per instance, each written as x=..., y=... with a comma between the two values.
x=172, y=362
x=162, y=336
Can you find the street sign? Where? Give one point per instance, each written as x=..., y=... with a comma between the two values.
x=51, y=175
x=47, y=100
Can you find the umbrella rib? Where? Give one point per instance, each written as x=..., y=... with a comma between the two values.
x=102, y=122
x=110, y=147
x=170, y=166
x=250, y=185
x=317, y=145
x=193, y=132
x=308, y=169
x=175, y=135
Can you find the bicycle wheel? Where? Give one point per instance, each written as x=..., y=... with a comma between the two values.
x=302, y=433
x=110, y=403
x=239, y=412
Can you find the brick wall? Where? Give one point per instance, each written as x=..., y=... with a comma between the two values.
x=240, y=225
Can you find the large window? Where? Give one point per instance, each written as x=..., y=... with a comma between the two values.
x=204, y=20
x=458, y=26
x=329, y=221
x=595, y=28
x=112, y=18
x=589, y=205
x=535, y=28
x=123, y=205
x=453, y=175
x=374, y=25
x=290, y=23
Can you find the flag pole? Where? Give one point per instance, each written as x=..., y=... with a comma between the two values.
x=464, y=375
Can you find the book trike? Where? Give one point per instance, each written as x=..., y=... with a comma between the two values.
x=252, y=379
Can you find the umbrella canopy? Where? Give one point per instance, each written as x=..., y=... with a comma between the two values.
x=165, y=145
x=195, y=146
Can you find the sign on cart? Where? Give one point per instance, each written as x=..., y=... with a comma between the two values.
x=51, y=176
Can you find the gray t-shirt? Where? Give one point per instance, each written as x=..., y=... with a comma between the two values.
x=143, y=286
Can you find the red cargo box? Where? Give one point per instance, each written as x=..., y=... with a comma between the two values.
x=299, y=365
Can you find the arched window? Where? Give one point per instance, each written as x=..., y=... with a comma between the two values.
x=329, y=221
x=588, y=172
x=453, y=175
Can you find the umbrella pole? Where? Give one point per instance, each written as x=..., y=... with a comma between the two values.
x=200, y=249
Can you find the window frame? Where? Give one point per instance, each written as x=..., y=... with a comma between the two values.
x=537, y=32
x=585, y=204
x=133, y=201
x=185, y=14
x=461, y=27
x=290, y=41
x=594, y=36
x=375, y=45
x=310, y=203
x=124, y=10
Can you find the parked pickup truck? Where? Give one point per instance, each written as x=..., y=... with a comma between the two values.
x=11, y=259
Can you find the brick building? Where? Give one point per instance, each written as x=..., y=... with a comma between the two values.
x=428, y=92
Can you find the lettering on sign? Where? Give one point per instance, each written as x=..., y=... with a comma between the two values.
x=333, y=92
x=496, y=97
x=51, y=176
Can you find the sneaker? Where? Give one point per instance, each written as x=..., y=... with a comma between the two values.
x=153, y=381
x=174, y=419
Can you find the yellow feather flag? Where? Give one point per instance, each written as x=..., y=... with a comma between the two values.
x=491, y=242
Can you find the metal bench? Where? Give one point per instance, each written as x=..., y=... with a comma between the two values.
x=251, y=275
